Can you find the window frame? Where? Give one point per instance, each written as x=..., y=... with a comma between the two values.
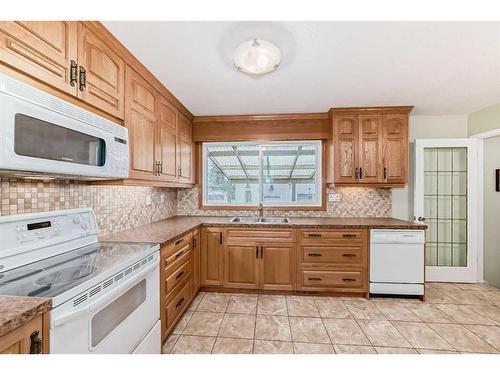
x=320, y=205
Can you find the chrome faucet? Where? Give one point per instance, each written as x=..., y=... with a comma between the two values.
x=260, y=211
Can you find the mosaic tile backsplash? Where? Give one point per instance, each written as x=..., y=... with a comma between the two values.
x=356, y=202
x=117, y=208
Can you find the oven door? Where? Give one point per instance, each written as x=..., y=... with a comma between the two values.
x=37, y=140
x=116, y=323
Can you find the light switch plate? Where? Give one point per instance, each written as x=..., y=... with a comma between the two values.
x=334, y=197
x=148, y=200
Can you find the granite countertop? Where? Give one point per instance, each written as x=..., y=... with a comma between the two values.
x=16, y=311
x=167, y=230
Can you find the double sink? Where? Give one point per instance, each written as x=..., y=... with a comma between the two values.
x=256, y=219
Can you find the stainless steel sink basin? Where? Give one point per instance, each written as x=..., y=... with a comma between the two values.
x=283, y=220
x=254, y=219
x=245, y=219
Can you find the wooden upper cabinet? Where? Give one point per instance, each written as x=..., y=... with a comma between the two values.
x=370, y=152
x=395, y=152
x=370, y=146
x=211, y=257
x=167, y=140
x=140, y=119
x=41, y=49
x=186, y=150
x=105, y=73
x=345, y=138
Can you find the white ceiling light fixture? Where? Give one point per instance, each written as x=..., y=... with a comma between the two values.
x=257, y=57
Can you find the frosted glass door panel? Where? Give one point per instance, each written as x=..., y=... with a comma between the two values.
x=445, y=206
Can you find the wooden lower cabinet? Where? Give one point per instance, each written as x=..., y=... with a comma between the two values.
x=241, y=266
x=211, y=256
x=277, y=266
x=30, y=338
x=196, y=261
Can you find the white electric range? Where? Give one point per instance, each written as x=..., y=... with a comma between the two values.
x=105, y=295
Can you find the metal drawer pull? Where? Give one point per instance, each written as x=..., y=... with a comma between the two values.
x=349, y=255
x=179, y=241
x=314, y=255
x=348, y=235
x=179, y=275
x=347, y=280
x=180, y=302
x=315, y=279
x=314, y=235
x=73, y=73
x=179, y=254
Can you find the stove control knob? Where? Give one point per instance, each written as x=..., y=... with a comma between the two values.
x=85, y=226
x=77, y=220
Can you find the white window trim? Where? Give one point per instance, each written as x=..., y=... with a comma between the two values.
x=319, y=175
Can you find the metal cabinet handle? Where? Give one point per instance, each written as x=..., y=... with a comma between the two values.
x=157, y=168
x=256, y=252
x=194, y=243
x=315, y=279
x=314, y=235
x=385, y=173
x=314, y=255
x=348, y=235
x=261, y=252
x=179, y=254
x=220, y=238
x=179, y=302
x=179, y=172
x=356, y=173
x=35, y=343
x=73, y=73
x=179, y=241
x=360, y=173
x=349, y=255
x=161, y=168
x=348, y=280
x=179, y=275
x=83, y=78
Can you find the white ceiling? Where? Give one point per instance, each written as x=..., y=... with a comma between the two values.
x=441, y=68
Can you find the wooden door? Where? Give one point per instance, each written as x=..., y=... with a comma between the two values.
x=105, y=73
x=345, y=138
x=241, y=268
x=395, y=148
x=167, y=140
x=140, y=119
x=196, y=261
x=41, y=49
x=211, y=257
x=19, y=341
x=277, y=266
x=370, y=150
x=185, y=150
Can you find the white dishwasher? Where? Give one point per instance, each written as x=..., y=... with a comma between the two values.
x=397, y=261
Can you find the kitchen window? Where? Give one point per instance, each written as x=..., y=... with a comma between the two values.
x=271, y=173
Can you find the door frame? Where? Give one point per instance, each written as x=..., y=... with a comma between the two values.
x=474, y=186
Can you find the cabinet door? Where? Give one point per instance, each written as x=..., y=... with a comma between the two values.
x=185, y=150
x=211, y=257
x=140, y=119
x=395, y=148
x=105, y=73
x=196, y=262
x=41, y=49
x=345, y=138
x=370, y=150
x=167, y=140
x=277, y=267
x=241, y=268
x=19, y=341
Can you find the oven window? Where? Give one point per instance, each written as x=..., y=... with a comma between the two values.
x=44, y=140
x=116, y=312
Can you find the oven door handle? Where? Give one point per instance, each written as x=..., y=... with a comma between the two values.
x=104, y=300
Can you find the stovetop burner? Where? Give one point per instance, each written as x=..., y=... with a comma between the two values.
x=66, y=275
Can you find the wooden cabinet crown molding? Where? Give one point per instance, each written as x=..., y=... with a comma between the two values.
x=406, y=109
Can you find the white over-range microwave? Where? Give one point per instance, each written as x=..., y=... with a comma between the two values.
x=42, y=135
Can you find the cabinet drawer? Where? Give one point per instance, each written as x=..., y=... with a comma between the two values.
x=332, y=236
x=176, y=259
x=178, y=276
x=235, y=236
x=333, y=279
x=178, y=302
x=353, y=255
x=168, y=250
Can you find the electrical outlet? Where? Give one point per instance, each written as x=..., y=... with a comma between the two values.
x=334, y=197
x=148, y=200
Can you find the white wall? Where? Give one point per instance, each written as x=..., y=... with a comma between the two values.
x=424, y=127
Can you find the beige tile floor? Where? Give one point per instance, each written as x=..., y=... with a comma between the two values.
x=455, y=318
